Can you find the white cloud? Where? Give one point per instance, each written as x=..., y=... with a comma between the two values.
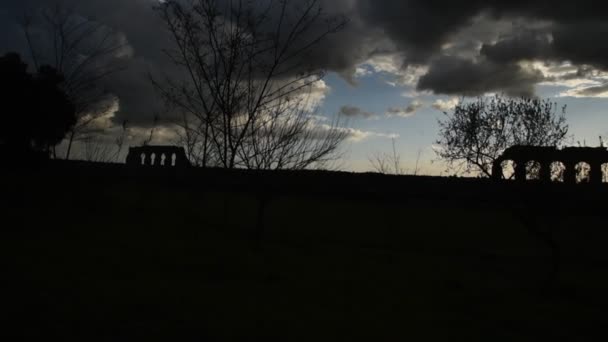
x=409, y=76
x=387, y=63
x=445, y=105
x=579, y=80
x=357, y=135
x=362, y=71
x=392, y=64
x=599, y=91
x=314, y=95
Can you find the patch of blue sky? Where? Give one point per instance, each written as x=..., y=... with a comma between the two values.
x=417, y=133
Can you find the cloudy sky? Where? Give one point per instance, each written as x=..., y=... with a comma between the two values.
x=396, y=65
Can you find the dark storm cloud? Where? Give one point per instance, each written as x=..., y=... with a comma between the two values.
x=422, y=26
x=147, y=36
x=418, y=27
x=135, y=22
x=459, y=76
x=419, y=30
x=525, y=46
x=578, y=42
x=582, y=42
x=576, y=31
x=143, y=29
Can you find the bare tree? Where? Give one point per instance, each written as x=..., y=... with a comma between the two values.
x=244, y=97
x=388, y=163
x=477, y=132
x=148, y=140
x=84, y=52
x=97, y=148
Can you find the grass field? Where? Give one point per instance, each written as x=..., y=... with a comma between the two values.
x=105, y=258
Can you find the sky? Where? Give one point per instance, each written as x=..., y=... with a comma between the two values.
x=392, y=70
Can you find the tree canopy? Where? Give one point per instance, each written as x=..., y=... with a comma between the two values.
x=37, y=112
x=477, y=132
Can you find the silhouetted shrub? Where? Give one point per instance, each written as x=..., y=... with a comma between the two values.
x=36, y=111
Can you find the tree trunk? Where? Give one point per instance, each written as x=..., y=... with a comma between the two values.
x=70, y=141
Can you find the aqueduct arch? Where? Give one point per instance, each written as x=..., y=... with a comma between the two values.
x=569, y=157
x=157, y=156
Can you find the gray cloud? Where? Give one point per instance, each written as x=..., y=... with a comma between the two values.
x=582, y=43
x=415, y=26
x=355, y=112
x=405, y=112
x=579, y=43
x=459, y=76
x=524, y=46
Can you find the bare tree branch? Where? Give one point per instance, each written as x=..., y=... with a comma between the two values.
x=84, y=52
x=244, y=95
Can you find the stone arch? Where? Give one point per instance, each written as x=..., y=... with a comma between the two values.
x=558, y=170
x=583, y=172
x=533, y=170
x=570, y=164
x=507, y=167
x=158, y=156
x=604, y=168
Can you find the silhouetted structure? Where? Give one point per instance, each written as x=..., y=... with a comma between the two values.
x=157, y=156
x=570, y=157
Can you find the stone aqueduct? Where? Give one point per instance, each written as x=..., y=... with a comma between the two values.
x=569, y=157
x=157, y=156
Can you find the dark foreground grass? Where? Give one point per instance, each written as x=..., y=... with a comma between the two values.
x=103, y=260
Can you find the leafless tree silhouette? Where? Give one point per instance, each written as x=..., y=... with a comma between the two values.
x=476, y=133
x=245, y=97
x=386, y=163
x=84, y=52
x=95, y=148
